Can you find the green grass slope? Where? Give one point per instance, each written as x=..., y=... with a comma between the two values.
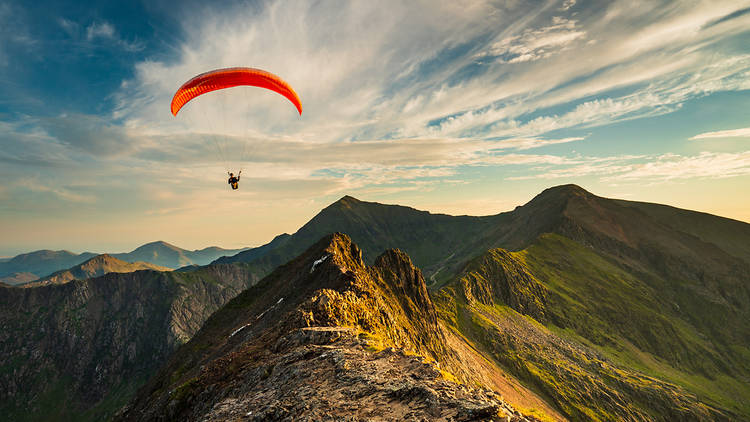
x=600, y=339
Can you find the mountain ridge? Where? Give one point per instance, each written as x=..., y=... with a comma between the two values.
x=426, y=237
x=325, y=304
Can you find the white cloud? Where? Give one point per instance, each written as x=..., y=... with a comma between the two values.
x=731, y=133
x=99, y=30
x=529, y=143
x=90, y=134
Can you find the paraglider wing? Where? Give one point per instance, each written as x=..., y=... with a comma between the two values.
x=231, y=77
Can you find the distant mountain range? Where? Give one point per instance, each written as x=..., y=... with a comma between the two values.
x=570, y=307
x=34, y=265
x=94, y=267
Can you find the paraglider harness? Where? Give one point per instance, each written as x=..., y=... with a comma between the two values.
x=234, y=181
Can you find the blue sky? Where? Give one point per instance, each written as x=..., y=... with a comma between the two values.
x=458, y=107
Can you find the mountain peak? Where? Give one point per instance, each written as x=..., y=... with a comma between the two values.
x=347, y=201
x=552, y=201
x=566, y=191
x=103, y=258
x=159, y=244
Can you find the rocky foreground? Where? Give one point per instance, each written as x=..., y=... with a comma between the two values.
x=334, y=373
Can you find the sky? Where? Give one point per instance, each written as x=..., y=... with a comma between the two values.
x=458, y=107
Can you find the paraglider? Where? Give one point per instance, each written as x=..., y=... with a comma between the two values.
x=234, y=181
x=229, y=78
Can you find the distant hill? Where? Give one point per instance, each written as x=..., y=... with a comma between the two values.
x=94, y=267
x=168, y=255
x=34, y=265
x=39, y=263
x=18, y=278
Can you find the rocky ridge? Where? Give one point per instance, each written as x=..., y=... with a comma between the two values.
x=322, y=337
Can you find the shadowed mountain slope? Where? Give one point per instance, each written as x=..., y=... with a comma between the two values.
x=77, y=351
x=439, y=243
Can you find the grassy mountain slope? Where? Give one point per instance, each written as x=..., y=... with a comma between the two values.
x=601, y=340
x=650, y=290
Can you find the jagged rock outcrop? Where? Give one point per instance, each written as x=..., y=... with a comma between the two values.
x=78, y=350
x=307, y=343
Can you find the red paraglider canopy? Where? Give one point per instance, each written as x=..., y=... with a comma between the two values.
x=231, y=77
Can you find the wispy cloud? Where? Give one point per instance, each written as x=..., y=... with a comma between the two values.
x=731, y=133
x=63, y=193
x=619, y=64
x=656, y=168
x=536, y=44
x=90, y=134
x=100, y=30
x=97, y=34
x=14, y=33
